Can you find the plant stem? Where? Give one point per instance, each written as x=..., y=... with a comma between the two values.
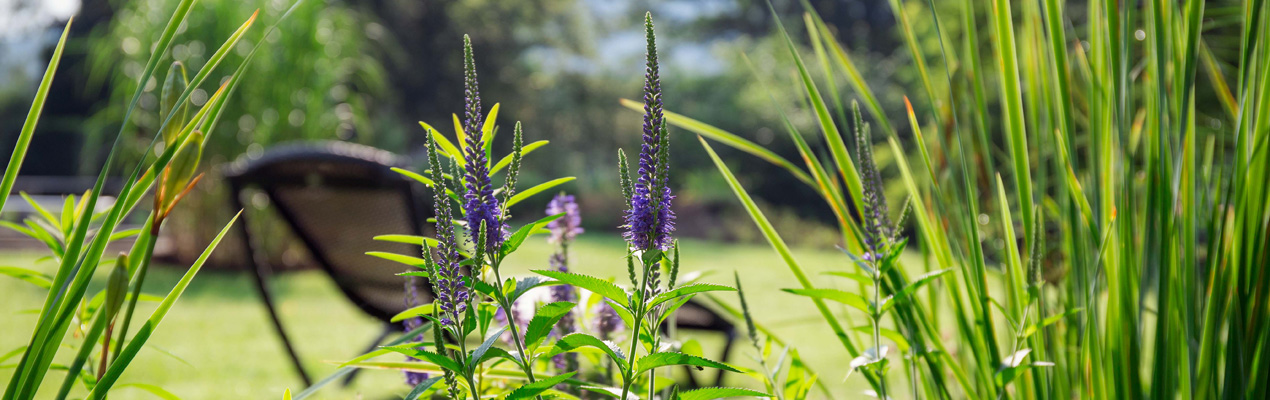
x=511, y=326
x=639, y=317
x=140, y=277
x=877, y=329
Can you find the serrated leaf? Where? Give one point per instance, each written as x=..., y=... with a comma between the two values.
x=656, y=360
x=688, y=290
x=595, y=285
x=527, y=283
x=516, y=239
x=422, y=387
x=719, y=393
x=544, y=320
x=479, y=353
x=848, y=298
x=536, y=388
x=574, y=341
x=434, y=358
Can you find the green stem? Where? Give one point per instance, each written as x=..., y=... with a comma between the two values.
x=639, y=317
x=526, y=363
x=140, y=277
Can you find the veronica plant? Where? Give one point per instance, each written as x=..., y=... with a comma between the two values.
x=171, y=172
x=651, y=249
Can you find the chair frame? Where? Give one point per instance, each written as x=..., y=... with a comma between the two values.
x=245, y=173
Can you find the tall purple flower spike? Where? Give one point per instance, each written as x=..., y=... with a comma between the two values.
x=412, y=300
x=649, y=221
x=447, y=282
x=480, y=204
x=563, y=231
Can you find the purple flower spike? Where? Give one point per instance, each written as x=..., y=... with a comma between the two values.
x=567, y=227
x=447, y=276
x=412, y=299
x=649, y=221
x=479, y=201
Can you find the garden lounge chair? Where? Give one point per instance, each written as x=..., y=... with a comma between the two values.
x=335, y=197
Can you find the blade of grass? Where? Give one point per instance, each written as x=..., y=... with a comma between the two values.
x=32, y=118
x=117, y=367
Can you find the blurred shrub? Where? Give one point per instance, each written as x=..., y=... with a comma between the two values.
x=320, y=78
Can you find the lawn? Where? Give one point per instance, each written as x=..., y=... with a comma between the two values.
x=217, y=342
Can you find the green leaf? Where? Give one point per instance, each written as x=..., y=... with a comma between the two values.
x=412, y=351
x=479, y=353
x=1031, y=329
x=595, y=285
x=576, y=341
x=901, y=344
x=117, y=367
x=155, y=390
x=688, y=290
x=538, y=189
x=719, y=393
x=848, y=298
x=727, y=138
x=536, y=388
x=32, y=118
x=903, y=295
x=408, y=260
x=544, y=320
x=447, y=148
x=516, y=239
x=524, y=151
x=527, y=283
x=855, y=276
x=422, y=387
x=656, y=360
x=774, y=238
x=30, y=276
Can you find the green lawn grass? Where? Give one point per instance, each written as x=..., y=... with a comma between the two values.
x=220, y=345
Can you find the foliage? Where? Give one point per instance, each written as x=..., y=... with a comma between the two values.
x=1103, y=307
x=318, y=81
x=540, y=354
x=171, y=172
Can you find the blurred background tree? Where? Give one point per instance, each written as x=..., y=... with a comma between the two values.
x=367, y=70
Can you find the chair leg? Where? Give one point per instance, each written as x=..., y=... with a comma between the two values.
x=256, y=270
x=267, y=298
x=727, y=347
x=388, y=329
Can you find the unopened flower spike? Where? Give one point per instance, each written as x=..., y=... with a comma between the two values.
x=877, y=226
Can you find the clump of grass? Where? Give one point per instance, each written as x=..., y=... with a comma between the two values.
x=1141, y=200
x=78, y=254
